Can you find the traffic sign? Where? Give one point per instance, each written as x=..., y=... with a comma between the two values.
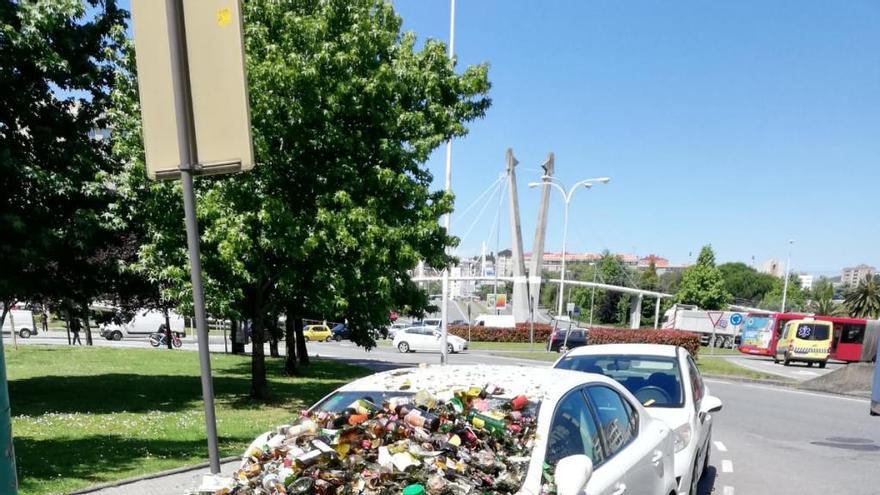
x=736, y=319
x=715, y=317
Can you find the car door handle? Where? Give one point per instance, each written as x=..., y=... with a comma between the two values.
x=621, y=489
x=657, y=456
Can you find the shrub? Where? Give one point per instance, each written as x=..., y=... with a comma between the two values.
x=688, y=340
x=495, y=334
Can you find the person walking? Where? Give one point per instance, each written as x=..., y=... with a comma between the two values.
x=75, y=327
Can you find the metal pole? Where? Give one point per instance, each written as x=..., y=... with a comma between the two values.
x=564, y=240
x=785, y=284
x=8, y=479
x=497, y=247
x=657, y=314
x=593, y=296
x=444, y=311
x=188, y=159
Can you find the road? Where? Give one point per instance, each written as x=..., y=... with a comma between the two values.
x=796, y=371
x=766, y=440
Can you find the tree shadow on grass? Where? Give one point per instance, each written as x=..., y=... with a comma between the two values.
x=97, y=458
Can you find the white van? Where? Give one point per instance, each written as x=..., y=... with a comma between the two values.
x=23, y=320
x=143, y=324
x=497, y=321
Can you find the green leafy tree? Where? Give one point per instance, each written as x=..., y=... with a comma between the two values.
x=795, y=300
x=863, y=300
x=745, y=284
x=649, y=281
x=822, y=299
x=703, y=283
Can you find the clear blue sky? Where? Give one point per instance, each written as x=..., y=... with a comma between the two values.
x=740, y=124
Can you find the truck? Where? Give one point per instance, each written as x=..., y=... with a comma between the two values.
x=23, y=322
x=143, y=324
x=497, y=321
x=725, y=326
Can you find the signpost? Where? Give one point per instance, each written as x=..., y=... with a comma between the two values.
x=714, y=317
x=196, y=121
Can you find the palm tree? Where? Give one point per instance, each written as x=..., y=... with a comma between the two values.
x=824, y=306
x=863, y=301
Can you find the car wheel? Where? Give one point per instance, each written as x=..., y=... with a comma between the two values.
x=328, y=339
x=822, y=364
x=562, y=349
x=403, y=347
x=117, y=335
x=450, y=349
x=810, y=364
x=24, y=333
x=306, y=339
x=787, y=360
x=337, y=338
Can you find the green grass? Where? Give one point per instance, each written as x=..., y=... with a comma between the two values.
x=83, y=416
x=723, y=367
x=706, y=351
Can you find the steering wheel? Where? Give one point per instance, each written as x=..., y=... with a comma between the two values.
x=653, y=393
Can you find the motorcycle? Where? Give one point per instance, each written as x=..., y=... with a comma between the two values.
x=159, y=339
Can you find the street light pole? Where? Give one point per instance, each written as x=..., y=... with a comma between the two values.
x=566, y=198
x=787, y=270
x=444, y=311
x=593, y=295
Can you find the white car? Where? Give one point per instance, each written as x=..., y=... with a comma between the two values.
x=590, y=429
x=397, y=328
x=426, y=339
x=665, y=379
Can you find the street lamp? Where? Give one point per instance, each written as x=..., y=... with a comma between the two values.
x=593, y=296
x=566, y=196
x=787, y=270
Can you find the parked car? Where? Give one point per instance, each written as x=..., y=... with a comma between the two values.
x=428, y=322
x=459, y=323
x=427, y=339
x=664, y=379
x=394, y=328
x=144, y=324
x=23, y=319
x=564, y=339
x=341, y=332
x=592, y=434
x=317, y=333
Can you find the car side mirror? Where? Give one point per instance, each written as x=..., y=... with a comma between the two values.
x=572, y=474
x=711, y=404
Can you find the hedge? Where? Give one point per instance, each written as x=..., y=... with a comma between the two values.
x=598, y=335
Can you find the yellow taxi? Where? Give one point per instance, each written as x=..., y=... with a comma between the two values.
x=317, y=333
x=807, y=341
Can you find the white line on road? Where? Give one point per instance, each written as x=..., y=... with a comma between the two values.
x=728, y=490
x=804, y=372
x=790, y=391
x=721, y=447
x=726, y=466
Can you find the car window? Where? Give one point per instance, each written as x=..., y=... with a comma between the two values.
x=617, y=419
x=852, y=334
x=813, y=331
x=696, y=381
x=654, y=380
x=573, y=431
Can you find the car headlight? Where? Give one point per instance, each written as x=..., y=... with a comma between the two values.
x=682, y=436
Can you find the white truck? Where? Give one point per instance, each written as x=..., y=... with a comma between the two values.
x=23, y=322
x=497, y=321
x=143, y=324
x=725, y=326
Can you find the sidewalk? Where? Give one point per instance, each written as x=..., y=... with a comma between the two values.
x=175, y=482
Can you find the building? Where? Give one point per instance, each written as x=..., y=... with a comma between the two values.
x=806, y=281
x=772, y=266
x=854, y=275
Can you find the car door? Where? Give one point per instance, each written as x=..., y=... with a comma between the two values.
x=701, y=423
x=574, y=431
x=641, y=452
x=420, y=340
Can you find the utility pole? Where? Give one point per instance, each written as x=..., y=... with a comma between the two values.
x=8, y=477
x=787, y=270
x=447, y=221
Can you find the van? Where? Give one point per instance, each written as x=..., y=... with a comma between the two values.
x=23, y=320
x=497, y=321
x=807, y=341
x=143, y=324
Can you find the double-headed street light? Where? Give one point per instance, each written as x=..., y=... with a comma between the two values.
x=566, y=196
x=787, y=274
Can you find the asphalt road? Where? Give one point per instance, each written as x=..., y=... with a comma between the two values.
x=796, y=371
x=766, y=440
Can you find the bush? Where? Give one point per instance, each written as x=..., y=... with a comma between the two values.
x=495, y=334
x=688, y=340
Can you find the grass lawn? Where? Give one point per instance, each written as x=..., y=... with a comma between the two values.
x=720, y=366
x=83, y=416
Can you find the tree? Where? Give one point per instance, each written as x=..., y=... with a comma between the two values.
x=54, y=68
x=649, y=281
x=703, y=284
x=863, y=300
x=745, y=284
x=795, y=299
x=345, y=113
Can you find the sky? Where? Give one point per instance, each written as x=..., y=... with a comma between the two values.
x=737, y=124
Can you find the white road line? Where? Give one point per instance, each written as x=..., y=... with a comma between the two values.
x=720, y=446
x=726, y=466
x=728, y=490
x=801, y=392
x=804, y=372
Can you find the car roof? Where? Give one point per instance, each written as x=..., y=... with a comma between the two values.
x=535, y=383
x=637, y=349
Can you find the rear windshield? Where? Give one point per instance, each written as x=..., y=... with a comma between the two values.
x=813, y=331
x=654, y=380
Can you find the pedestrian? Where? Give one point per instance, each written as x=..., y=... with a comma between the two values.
x=75, y=327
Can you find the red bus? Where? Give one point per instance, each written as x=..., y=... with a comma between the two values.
x=854, y=339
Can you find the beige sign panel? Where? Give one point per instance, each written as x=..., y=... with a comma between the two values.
x=217, y=86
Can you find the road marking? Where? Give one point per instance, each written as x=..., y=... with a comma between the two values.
x=720, y=446
x=728, y=490
x=803, y=372
x=784, y=389
x=726, y=466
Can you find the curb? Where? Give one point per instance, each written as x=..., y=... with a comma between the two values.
x=786, y=384
x=160, y=474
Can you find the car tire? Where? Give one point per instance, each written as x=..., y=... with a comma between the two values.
x=328, y=339
x=24, y=333
x=450, y=349
x=117, y=335
x=403, y=347
x=822, y=364
x=337, y=338
x=306, y=339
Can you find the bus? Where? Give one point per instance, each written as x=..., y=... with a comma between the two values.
x=854, y=339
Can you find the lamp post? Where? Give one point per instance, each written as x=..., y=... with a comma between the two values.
x=593, y=295
x=444, y=312
x=787, y=270
x=566, y=197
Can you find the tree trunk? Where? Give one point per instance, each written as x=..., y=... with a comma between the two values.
x=302, y=353
x=273, y=338
x=290, y=344
x=67, y=327
x=234, y=328
x=259, y=386
x=88, y=325
x=167, y=328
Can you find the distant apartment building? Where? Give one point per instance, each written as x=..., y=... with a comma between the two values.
x=854, y=275
x=772, y=266
x=806, y=281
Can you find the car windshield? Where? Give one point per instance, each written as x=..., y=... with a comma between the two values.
x=812, y=331
x=654, y=380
